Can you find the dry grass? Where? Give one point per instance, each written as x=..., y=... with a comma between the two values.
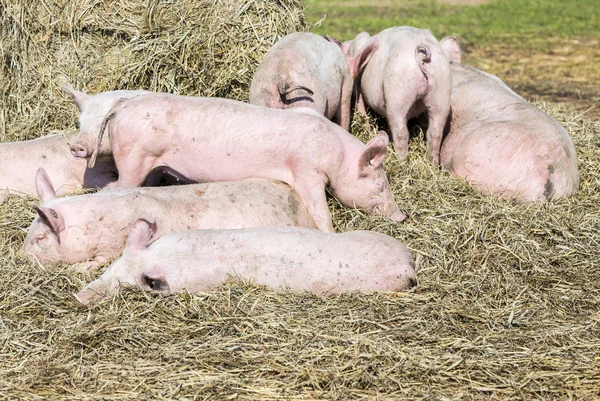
x=507, y=306
x=188, y=47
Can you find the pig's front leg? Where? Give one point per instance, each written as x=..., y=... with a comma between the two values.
x=313, y=196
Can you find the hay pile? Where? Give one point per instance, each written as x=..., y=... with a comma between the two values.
x=187, y=47
x=507, y=305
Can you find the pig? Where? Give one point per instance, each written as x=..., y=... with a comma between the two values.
x=407, y=75
x=213, y=139
x=304, y=69
x=294, y=258
x=91, y=229
x=19, y=162
x=92, y=110
x=500, y=143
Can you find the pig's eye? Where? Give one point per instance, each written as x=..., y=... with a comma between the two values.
x=155, y=284
x=40, y=237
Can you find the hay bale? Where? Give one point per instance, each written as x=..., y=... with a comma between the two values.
x=205, y=48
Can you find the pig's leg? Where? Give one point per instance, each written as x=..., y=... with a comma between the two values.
x=133, y=170
x=438, y=111
x=314, y=198
x=397, y=107
x=345, y=103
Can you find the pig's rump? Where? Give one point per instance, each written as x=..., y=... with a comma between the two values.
x=522, y=159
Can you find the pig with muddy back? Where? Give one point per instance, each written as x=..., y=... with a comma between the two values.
x=500, y=143
x=280, y=258
x=91, y=229
x=304, y=69
x=406, y=76
x=213, y=139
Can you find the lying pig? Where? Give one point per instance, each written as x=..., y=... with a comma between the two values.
x=213, y=139
x=500, y=143
x=92, y=110
x=91, y=229
x=304, y=69
x=280, y=258
x=406, y=76
x=19, y=162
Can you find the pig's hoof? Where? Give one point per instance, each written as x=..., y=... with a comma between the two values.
x=79, y=151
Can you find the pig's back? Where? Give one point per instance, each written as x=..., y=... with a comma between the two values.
x=21, y=160
x=299, y=258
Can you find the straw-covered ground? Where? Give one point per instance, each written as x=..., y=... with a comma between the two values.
x=508, y=298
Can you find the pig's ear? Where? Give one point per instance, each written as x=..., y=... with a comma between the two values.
x=451, y=48
x=43, y=185
x=78, y=97
x=140, y=234
x=51, y=218
x=373, y=156
x=359, y=62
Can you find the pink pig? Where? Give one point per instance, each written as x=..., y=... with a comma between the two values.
x=304, y=69
x=92, y=110
x=500, y=143
x=213, y=139
x=91, y=229
x=406, y=76
x=19, y=162
x=294, y=258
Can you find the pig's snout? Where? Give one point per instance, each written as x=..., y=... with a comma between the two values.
x=398, y=216
x=79, y=151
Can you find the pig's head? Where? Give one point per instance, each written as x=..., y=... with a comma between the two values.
x=92, y=112
x=43, y=239
x=364, y=184
x=451, y=48
x=136, y=267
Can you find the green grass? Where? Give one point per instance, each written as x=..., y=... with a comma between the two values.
x=493, y=22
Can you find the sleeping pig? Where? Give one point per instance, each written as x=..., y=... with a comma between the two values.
x=213, y=139
x=304, y=69
x=91, y=229
x=294, y=258
x=407, y=75
x=500, y=143
x=19, y=162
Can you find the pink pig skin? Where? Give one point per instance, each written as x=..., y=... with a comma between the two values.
x=304, y=69
x=500, y=143
x=92, y=110
x=406, y=76
x=294, y=258
x=91, y=229
x=212, y=139
x=19, y=162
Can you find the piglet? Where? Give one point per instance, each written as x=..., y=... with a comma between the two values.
x=500, y=143
x=213, y=139
x=407, y=75
x=304, y=69
x=19, y=162
x=294, y=258
x=92, y=110
x=91, y=229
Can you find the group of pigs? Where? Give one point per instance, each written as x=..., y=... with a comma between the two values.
x=256, y=173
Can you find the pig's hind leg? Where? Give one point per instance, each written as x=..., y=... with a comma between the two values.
x=134, y=170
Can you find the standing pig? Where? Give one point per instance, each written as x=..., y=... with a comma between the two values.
x=280, y=258
x=500, y=143
x=19, y=162
x=304, y=69
x=92, y=110
x=213, y=139
x=91, y=229
x=406, y=76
